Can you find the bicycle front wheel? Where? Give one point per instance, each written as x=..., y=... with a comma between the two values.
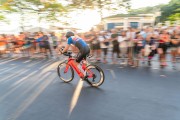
x=94, y=75
x=65, y=72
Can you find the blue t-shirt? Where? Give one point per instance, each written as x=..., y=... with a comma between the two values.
x=78, y=42
x=43, y=41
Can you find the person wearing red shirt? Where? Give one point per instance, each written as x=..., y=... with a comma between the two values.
x=164, y=40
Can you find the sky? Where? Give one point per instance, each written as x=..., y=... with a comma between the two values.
x=85, y=20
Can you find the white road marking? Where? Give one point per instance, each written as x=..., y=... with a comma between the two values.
x=155, y=68
x=50, y=67
x=32, y=64
x=45, y=64
x=22, y=71
x=13, y=89
x=8, y=61
x=112, y=73
x=2, y=60
x=27, y=61
x=7, y=70
x=76, y=96
x=120, y=67
x=30, y=100
x=4, y=68
x=19, y=81
x=163, y=75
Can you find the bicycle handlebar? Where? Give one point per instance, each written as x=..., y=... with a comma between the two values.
x=68, y=54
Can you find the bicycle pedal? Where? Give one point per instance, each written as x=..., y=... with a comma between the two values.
x=85, y=78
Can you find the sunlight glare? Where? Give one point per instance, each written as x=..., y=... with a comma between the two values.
x=86, y=20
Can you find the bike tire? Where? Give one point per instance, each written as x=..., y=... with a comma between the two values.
x=60, y=72
x=93, y=83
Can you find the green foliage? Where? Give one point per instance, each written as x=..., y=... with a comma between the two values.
x=174, y=17
x=146, y=10
x=112, y=5
x=101, y=4
x=50, y=9
x=2, y=1
x=170, y=11
x=2, y=17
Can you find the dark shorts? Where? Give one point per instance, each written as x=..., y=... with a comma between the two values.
x=95, y=46
x=105, y=50
x=54, y=47
x=45, y=47
x=137, y=49
x=116, y=49
x=83, y=54
x=163, y=46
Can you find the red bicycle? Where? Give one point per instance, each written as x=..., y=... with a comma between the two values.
x=92, y=74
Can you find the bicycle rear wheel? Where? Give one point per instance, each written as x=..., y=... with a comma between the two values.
x=94, y=75
x=65, y=72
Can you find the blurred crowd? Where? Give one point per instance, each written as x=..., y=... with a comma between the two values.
x=130, y=46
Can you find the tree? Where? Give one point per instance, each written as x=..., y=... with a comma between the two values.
x=100, y=5
x=47, y=10
x=2, y=17
x=2, y=1
x=55, y=11
x=170, y=11
x=174, y=17
x=146, y=10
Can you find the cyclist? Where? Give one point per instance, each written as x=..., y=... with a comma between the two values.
x=78, y=43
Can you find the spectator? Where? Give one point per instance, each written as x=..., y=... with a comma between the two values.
x=123, y=45
x=3, y=44
x=104, y=39
x=44, y=44
x=174, y=45
x=95, y=45
x=130, y=34
x=115, y=43
x=163, y=46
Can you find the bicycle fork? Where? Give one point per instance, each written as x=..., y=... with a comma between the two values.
x=66, y=69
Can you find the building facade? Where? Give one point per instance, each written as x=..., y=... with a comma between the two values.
x=129, y=20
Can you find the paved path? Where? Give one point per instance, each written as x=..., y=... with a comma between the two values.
x=31, y=90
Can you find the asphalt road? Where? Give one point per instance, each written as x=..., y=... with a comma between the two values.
x=31, y=90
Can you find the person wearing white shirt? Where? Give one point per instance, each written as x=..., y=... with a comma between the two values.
x=115, y=44
x=123, y=44
x=130, y=34
x=104, y=43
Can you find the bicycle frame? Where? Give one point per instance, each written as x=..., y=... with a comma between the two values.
x=72, y=63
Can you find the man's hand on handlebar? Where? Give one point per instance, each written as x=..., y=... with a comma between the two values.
x=61, y=51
